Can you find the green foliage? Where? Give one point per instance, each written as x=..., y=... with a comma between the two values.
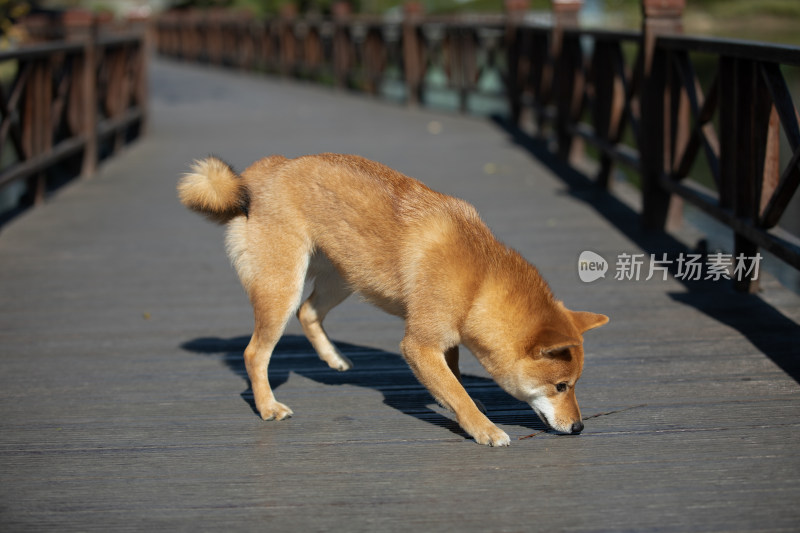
x=11, y=10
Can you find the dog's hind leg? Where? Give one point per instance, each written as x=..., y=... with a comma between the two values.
x=274, y=294
x=329, y=291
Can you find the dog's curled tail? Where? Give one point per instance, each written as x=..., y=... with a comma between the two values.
x=215, y=190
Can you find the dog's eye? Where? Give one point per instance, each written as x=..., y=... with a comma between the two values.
x=561, y=387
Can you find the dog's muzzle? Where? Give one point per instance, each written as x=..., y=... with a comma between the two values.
x=576, y=427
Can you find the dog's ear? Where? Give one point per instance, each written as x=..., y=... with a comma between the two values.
x=585, y=320
x=552, y=343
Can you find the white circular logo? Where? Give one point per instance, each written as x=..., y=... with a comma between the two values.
x=591, y=266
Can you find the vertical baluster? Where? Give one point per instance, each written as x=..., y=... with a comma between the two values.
x=569, y=93
x=412, y=51
x=753, y=115
x=517, y=67
x=660, y=17
x=606, y=104
x=89, y=105
x=42, y=135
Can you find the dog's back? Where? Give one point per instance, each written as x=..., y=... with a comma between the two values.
x=373, y=223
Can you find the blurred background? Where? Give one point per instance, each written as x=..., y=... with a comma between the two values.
x=762, y=20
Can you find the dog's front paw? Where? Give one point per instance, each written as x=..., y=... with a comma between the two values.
x=492, y=436
x=275, y=411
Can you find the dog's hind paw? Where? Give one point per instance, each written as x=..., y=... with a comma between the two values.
x=340, y=363
x=276, y=411
x=344, y=364
x=336, y=360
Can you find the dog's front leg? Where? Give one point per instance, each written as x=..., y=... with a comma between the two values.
x=431, y=368
x=451, y=356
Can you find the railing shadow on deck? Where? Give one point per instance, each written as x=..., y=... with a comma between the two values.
x=374, y=369
x=767, y=329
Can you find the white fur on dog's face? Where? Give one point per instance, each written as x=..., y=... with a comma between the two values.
x=537, y=398
x=558, y=410
x=544, y=409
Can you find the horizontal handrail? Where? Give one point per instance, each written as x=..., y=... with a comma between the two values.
x=741, y=49
x=40, y=50
x=36, y=51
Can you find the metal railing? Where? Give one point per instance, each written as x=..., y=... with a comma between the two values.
x=649, y=111
x=634, y=97
x=66, y=104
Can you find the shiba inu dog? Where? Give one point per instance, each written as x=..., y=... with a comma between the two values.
x=354, y=225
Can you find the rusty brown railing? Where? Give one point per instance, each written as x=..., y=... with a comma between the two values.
x=64, y=105
x=359, y=52
x=649, y=111
x=735, y=124
x=633, y=97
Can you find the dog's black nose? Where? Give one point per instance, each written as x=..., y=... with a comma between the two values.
x=577, y=427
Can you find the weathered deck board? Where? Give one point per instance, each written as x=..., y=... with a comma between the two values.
x=123, y=395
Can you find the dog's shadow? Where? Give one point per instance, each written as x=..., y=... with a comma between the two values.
x=382, y=371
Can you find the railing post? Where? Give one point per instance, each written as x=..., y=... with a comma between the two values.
x=609, y=94
x=660, y=17
x=143, y=69
x=517, y=73
x=745, y=114
x=412, y=51
x=568, y=76
x=341, y=43
x=565, y=13
x=197, y=30
x=89, y=165
x=36, y=120
x=288, y=42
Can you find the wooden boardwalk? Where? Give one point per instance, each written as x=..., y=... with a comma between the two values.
x=124, y=403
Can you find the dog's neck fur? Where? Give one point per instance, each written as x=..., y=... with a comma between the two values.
x=520, y=295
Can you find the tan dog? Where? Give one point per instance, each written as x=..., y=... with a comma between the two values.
x=355, y=225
